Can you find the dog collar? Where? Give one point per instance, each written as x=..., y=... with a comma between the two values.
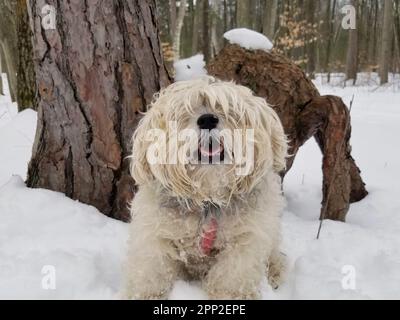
x=209, y=228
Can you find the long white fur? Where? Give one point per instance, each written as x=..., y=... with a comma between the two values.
x=166, y=211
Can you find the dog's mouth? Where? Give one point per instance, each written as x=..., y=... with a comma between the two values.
x=211, y=150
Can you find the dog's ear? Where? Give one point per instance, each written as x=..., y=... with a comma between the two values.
x=140, y=168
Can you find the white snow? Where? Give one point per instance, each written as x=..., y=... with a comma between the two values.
x=42, y=228
x=248, y=39
x=190, y=68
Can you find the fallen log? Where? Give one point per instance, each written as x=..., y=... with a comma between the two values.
x=304, y=114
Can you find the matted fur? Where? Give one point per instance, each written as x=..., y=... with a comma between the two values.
x=167, y=210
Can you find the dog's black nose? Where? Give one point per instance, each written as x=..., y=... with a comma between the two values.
x=207, y=121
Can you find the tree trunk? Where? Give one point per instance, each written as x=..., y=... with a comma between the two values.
x=330, y=16
x=270, y=17
x=196, y=26
x=243, y=14
x=214, y=34
x=352, y=52
x=26, y=86
x=386, y=44
x=178, y=30
x=8, y=43
x=1, y=81
x=310, y=45
x=172, y=18
x=3, y=68
x=304, y=114
x=2, y=65
x=206, y=30
x=397, y=34
x=95, y=73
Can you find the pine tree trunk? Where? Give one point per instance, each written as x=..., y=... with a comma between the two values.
x=95, y=73
x=304, y=114
x=386, y=44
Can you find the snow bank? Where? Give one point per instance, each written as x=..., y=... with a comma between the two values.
x=16, y=140
x=249, y=39
x=42, y=228
x=8, y=110
x=190, y=68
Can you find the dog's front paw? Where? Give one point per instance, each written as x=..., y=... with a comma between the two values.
x=234, y=295
x=276, y=270
x=142, y=296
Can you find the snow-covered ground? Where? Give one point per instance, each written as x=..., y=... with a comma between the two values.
x=45, y=236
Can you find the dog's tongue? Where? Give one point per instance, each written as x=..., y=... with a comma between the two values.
x=208, y=235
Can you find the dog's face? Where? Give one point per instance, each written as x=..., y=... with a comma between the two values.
x=205, y=140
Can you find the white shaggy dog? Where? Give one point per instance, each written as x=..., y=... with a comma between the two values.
x=204, y=220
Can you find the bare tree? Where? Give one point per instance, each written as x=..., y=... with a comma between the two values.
x=243, y=8
x=386, y=44
x=90, y=96
x=206, y=30
x=172, y=18
x=352, y=51
x=26, y=86
x=311, y=50
x=2, y=70
x=270, y=18
x=178, y=29
x=198, y=15
x=329, y=32
x=9, y=43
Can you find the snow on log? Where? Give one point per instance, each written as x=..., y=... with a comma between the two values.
x=249, y=39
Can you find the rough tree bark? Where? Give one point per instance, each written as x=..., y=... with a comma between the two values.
x=304, y=114
x=95, y=73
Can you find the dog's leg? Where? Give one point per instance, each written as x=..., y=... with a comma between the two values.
x=150, y=270
x=276, y=268
x=238, y=271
